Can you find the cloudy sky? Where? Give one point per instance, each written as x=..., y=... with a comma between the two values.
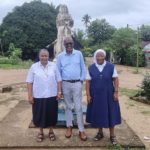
x=117, y=12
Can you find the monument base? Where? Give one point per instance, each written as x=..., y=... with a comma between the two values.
x=15, y=134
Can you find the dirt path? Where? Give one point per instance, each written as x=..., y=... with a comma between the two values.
x=137, y=115
x=127, y=78
x=12, y=76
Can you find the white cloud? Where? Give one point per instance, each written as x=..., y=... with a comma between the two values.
x=117, y=12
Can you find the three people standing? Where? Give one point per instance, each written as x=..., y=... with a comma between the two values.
x=45, y=81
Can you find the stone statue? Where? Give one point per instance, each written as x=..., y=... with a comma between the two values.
x=64, y=23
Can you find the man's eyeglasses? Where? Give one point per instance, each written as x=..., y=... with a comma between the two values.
x=69, y=43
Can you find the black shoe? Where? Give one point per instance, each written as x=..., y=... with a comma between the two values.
x=99, y=136
x=113, y=140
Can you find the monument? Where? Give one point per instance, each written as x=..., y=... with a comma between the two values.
x=64, y=23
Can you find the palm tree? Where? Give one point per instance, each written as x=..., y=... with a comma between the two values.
x=86, y=19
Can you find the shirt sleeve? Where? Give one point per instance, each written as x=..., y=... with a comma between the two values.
x=83, y=70
x=88, y=77
x=58, y=64
x=57, y=73
x=30, y=76
x=115, y=74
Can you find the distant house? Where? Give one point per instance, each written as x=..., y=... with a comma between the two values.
x=144, y=43
x=146, y=49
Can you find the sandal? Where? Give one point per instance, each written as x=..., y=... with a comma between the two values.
x=113, y=140
x=40, y=137
x=52, y=136
x=98, y=136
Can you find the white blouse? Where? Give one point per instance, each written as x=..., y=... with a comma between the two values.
x=44, y=79
x=100, y=68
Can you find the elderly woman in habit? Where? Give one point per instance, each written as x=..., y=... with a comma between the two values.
x=103, y=109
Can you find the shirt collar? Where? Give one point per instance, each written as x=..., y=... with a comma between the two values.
x=48, y=64
x=102, y=65
x=73, y=51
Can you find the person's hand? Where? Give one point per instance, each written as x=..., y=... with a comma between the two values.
x=30, y=99
x=81, y=81
x=116, y=96
x=89, y=99
x=59, y=95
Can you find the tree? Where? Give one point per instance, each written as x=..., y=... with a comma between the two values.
x=30, y=27
x=86, y=19
x=131, y=57
x=145, y=32
x=14, y=54
x=80, y=36
x=100, y=31
x=146, y=86
x=125, y=46
x=2, y=35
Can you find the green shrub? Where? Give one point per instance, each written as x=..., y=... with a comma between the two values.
x=26, y=64
x=12, y=61
x=5, y=60
x=87, y=52
x=130, y=57
x=15, y=61
x=14, y=55
x=146, y=85
x=16, y=65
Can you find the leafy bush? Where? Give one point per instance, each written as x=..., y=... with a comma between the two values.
x=12, y=61
x=130, y=57
x=146, y=86
x=6, y=63
x=5, y=60
x=14, y=55
x=87, y=52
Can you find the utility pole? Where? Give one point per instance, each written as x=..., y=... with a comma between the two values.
x=137, y=52
x=1, y=47
x=127, y=26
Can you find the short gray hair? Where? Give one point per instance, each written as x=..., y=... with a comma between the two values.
x=43, y=50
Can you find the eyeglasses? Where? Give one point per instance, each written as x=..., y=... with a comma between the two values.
x=69, y=43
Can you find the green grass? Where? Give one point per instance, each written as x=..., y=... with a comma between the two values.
x=20, y=65
x=119, y=147
x=127, y=92
x=115, y=147
x=131, y=104
x=145, y=112
x=135, y=71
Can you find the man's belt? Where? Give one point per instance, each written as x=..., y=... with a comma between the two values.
x=72, y=81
